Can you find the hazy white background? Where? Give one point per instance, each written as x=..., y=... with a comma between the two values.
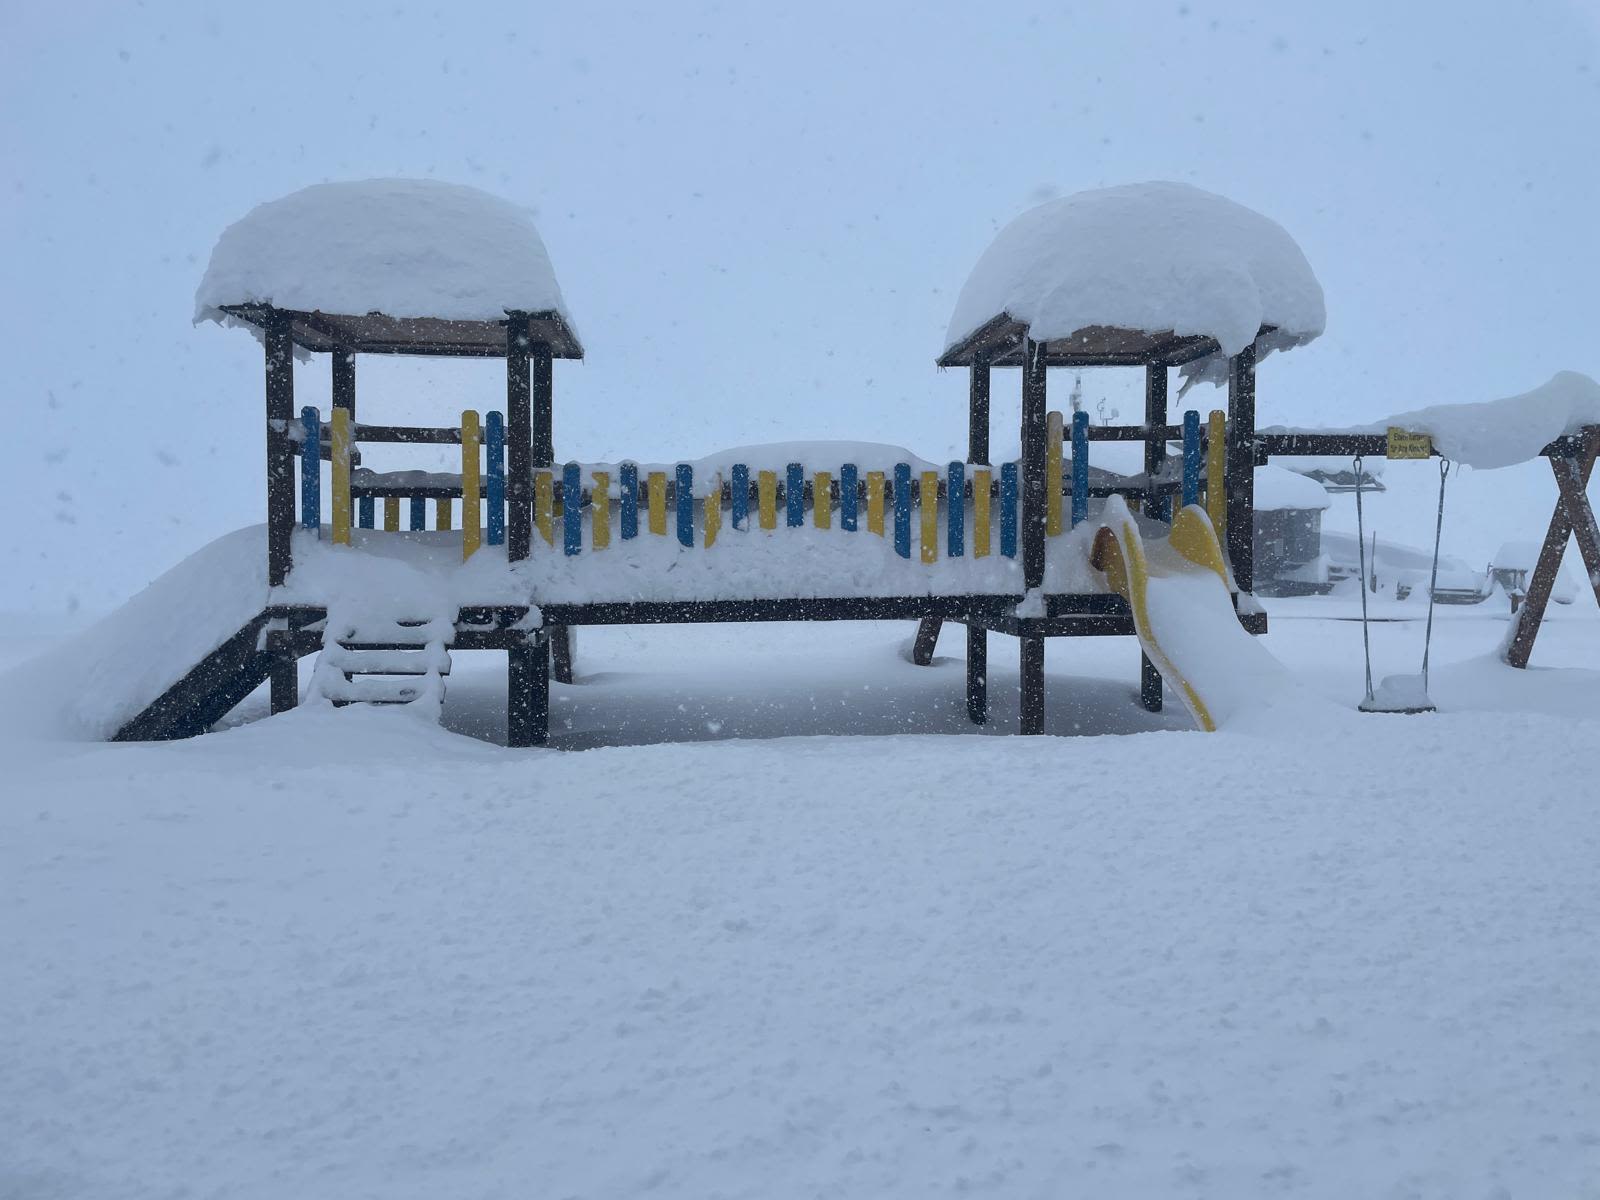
x=760, y=215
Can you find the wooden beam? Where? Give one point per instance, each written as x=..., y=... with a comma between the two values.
x=519, y=474
x=1241, y=467
x=544, y=443
x=977, y=674
x=344, y=383
x=978, y=410
x=1031, y=652
x=1033, y=462
x=280, y=451
x=1572, y=507
x=927, y=640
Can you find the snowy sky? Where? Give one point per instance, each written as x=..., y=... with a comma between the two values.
x=761, y=217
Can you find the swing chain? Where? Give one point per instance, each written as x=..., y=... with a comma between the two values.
x=1361, y=551
x=1433, y=581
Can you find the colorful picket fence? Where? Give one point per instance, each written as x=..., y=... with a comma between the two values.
x=562, y=497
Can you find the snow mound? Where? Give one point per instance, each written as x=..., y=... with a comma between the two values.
x=401, y=247
x=1501, y=433
x=1153, y=257
x=92, y=684
x=1279, y=488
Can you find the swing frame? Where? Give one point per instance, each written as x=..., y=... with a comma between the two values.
x=1572, y=460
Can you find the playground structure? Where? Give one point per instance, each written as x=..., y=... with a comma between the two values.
x=523, y=548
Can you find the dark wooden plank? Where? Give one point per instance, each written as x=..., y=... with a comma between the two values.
x=1241, y=467
x=1156, y=428
x=425, y=435
x=1031, y=664
x=927, y=640
x=519, y=438
x=344, y=383
x=207, y=691
x=977, y=674
x=978, y=411
x=1572, y=475
x=1150, y=695
x=1033, y=458
x=279, y=351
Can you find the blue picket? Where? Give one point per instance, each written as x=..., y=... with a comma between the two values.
x=1080, y=467
x=1191, y=458
x=739, y=502
x=628, y=503
x=311, y=470
x=956, y=508
x=571, y=510
x=685, y=505
x=1008, y=509
x=848, y=500
x=494, y=437
x=419, y=513
x=366, y=512
x=795, y=495
x=902, y=510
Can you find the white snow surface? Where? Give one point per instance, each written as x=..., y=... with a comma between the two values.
x=1277, y=488
x=348, y=954
x=1154, y=257
x=401, y=247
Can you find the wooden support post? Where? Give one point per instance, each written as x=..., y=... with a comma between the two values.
x=284, y=680
x=280, y=451
x=344, y=382
x=528, y=693
x=1573, y=514
x=561, y=653
x=977, y=674
x=1241, y=468
x=519, y=472
x=1033, y=464
x=978, y=412
x=1149, y=684
x=976, y=452
x=1155, y=435
x=1032, y=664
x=1155, y=457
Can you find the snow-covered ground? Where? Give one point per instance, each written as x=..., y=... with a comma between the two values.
x=344, y=953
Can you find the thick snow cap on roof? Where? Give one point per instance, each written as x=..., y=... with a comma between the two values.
x=1279, y=488
x=1151, y=257
x=401, y=247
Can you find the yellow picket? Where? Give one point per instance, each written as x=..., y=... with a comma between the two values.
x=656, y=487
x=875, y=502
x=822, y=500
x=767, y=499
x=930, y=516
x=391, y=514
x=544, y=505
x=1216, y=462
x=1054, y=430
x=471, y=486
x=600, y=511
x=981, y=480
x=339, y=452
x=441, y=514
x=713, y=511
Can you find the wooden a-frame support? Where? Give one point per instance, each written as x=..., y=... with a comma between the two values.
x=1573, y=517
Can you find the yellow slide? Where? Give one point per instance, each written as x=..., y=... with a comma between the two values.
x=1178, y=589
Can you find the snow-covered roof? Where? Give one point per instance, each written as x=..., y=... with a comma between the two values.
x=1157, y=258
x=1516, y=556
x=405, y=248
x=1500, y=433
x=1279, y=488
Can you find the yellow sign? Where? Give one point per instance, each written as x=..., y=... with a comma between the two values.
x=1405, y=444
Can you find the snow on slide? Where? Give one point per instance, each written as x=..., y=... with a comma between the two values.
x=1185, y=619
x=92, y=684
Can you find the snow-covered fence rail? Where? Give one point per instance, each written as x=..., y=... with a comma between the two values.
x=965, y=509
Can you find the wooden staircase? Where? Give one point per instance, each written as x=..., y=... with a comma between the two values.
x=368, y=659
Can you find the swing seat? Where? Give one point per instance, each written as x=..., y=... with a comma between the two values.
x=1400, y=694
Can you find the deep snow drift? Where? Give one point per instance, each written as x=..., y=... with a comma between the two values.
x=348, y=954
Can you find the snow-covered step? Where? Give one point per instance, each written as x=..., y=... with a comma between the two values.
x=377, y=689
x=387, y=631
x=389, y=660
